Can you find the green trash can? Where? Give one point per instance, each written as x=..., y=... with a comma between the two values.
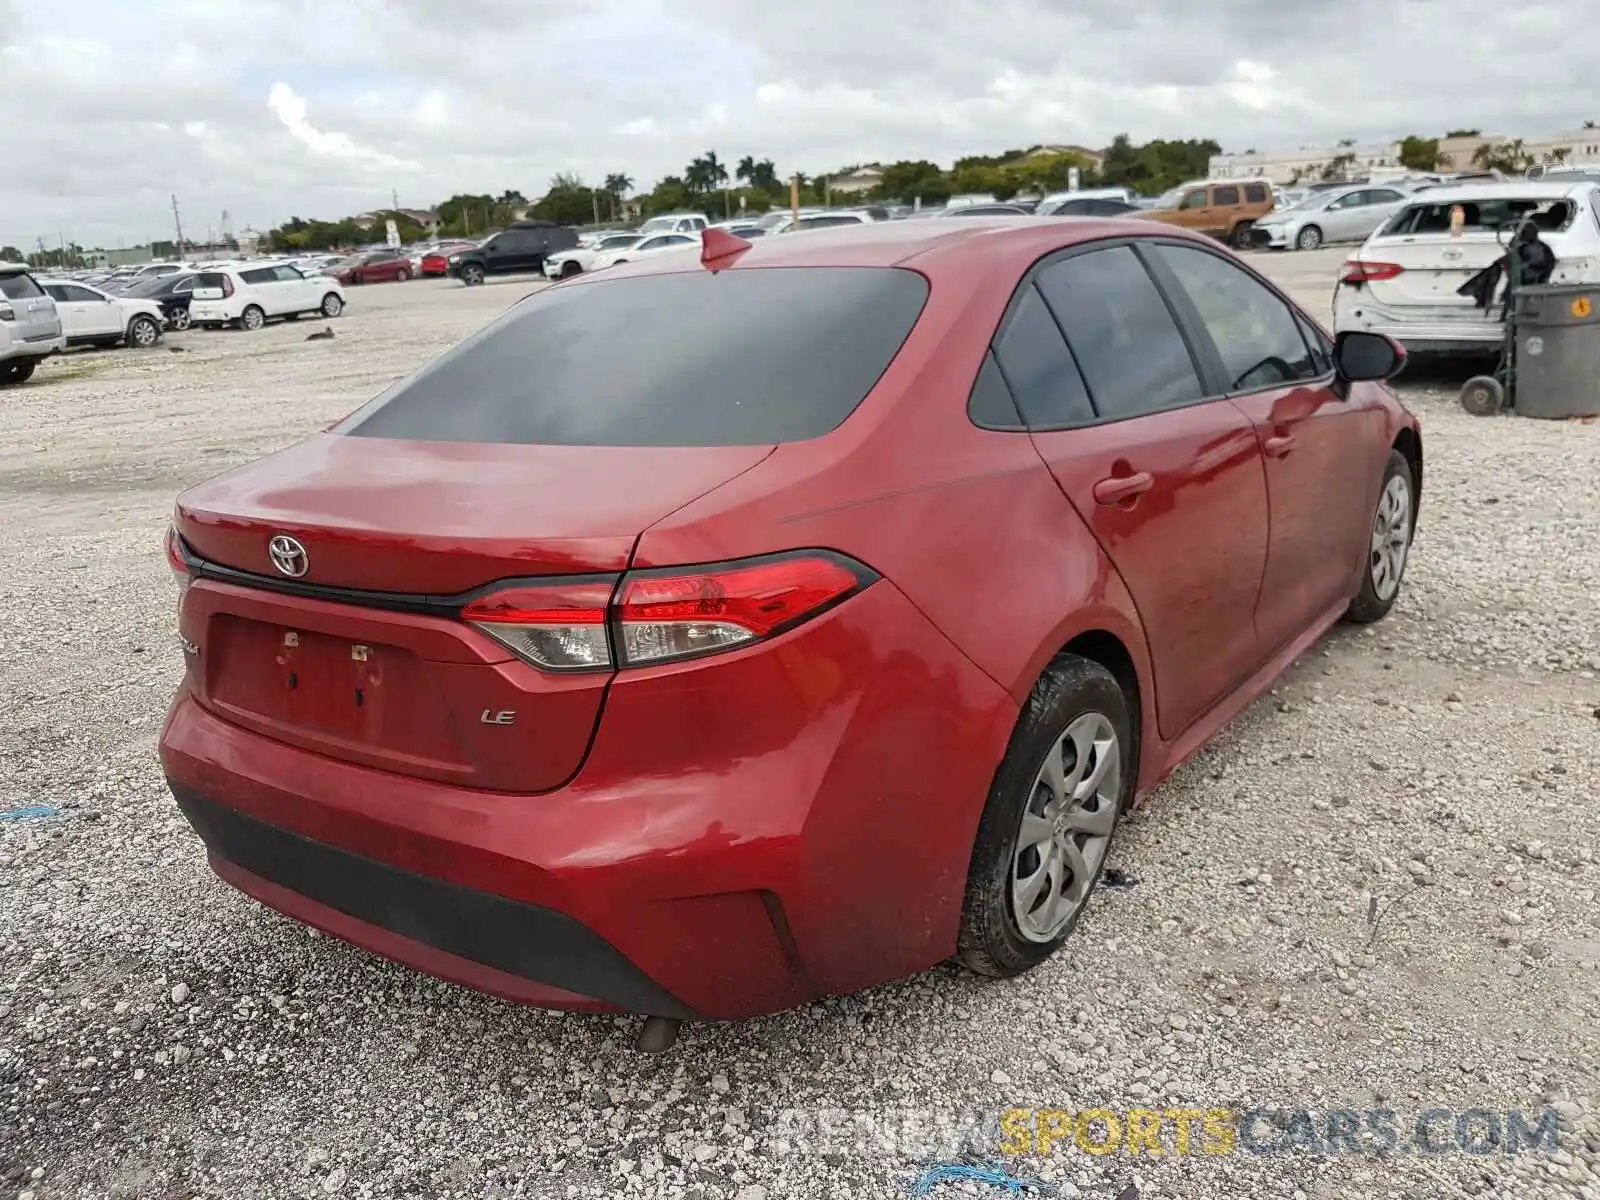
x=1558, y=350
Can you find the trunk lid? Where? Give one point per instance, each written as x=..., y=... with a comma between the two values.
x=33, y=312
x=362, y=659
x=1437, y=265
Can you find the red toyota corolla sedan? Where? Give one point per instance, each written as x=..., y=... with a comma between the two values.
x=726, y=630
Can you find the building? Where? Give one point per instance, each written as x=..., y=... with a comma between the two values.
x=854, y=183
x=1307, y=163
x=1093, y=160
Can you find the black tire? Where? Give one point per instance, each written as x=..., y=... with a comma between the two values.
x=179, y=320
x=403, y=276
x=991, y=941
x=18, y=370
x=332, y=305
x=1483, y=396
x=1240, y=238
x=569, y=269
x=258, y=321
x=1309, y=238
x=143, y=332
x=472, y=275
x=1376, y=598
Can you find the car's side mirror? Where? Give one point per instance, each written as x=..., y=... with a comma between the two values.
x=1360, y=356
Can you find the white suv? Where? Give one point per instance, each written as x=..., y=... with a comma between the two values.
x=30, y=327
x=247, y=296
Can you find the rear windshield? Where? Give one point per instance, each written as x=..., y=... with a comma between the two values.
x=735, y=358
x=19, y=287
x=211, y=279
x=1549, y=216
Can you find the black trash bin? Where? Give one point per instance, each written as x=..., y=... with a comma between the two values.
x=1558, y=350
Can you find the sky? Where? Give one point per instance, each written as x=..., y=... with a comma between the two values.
x=268, y=109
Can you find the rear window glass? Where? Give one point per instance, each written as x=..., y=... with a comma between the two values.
x=1549, y=216
x=210, y=279
x=735, y=358
x=19, y=287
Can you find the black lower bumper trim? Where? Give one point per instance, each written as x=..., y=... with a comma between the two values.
x=533, y=943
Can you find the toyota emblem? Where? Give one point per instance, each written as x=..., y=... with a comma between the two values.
x=288, y=555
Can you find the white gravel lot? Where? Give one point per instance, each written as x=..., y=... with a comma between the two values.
x=163, y=1037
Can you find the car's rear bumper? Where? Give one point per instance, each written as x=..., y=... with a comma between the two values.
x=793, y=820
x=1427, y=329
x=35, y=347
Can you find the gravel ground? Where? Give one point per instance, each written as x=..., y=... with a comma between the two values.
x=1377, y=889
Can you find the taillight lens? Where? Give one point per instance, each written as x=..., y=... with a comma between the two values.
x=1369, y=272
x=670, y=615
x=178, y=559
x=227, y=287
x=7, y=313
x=665, y=615
x=558, y=625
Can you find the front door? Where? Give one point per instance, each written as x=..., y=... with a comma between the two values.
x=1277, y=369
x=1169, y=481
x=85, y=313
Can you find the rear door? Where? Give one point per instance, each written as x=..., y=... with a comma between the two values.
x=274, y=297
x=1225, y=207
x=1167, y=477
x=32, y=308
x=1317, y=441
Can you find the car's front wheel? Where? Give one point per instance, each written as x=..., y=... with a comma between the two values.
x=143, y=332
x=569, y=269
x=1046, y=829
x=332, y=306
x=1309, y=239
x=1393, y=525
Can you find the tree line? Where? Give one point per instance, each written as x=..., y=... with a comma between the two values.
x=723, y=188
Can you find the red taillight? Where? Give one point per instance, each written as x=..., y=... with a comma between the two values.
x=1369, y=272
x=559, y=624
x=176, y=558
x=227, y=287
x=664, y=615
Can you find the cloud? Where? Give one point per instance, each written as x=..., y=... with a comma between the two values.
x=279, y=108
x=291, y=110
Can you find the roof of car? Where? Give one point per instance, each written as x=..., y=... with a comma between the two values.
x=1523, y=189
x=1008, y=242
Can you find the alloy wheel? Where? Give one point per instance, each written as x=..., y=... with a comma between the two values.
x=144, y=332
x=1391, y=537
x=1066, y=827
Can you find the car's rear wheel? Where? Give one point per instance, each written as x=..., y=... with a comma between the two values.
x=143, y=332
x=1309, y=238
x=332, y=306
x=19, y=370
x=1393, y=524
x=472, y=274
x=1046, y=829
x=252, y=318
x=180, y=319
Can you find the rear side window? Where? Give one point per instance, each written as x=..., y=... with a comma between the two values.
x=1255, y=193
x=1550, y=216
x=1126, y=342
x=259, y=275
x=1254, y=331
x=1224, y=195
x=991, y=405
x=19, y=287
x=1036, y=363
x=737, y=358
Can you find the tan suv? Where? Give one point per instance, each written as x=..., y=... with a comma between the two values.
x=1224, y=210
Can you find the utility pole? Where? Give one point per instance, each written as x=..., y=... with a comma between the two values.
x=394, y=197
x=177, y=224
x=594, y=202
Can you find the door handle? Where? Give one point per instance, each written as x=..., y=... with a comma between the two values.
x=1280, y=444
x=1123, y=487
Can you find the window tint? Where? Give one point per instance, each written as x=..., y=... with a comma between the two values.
x=1224, y=195
x=991, y=405
x=1255, y=332
x=288, y=274
x=1037, y=365
x=211, y=279
x=737, y=358
x=1255, y=193
x=260, y=275
x=1321, y=347
x=1383, y=196
x=82, y=294
x=55, y=291
x=19, y=287
x=1132, y=356
x=1194, y=199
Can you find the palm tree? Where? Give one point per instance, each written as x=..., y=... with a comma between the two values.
x=717, y=173
x=617, y=186
x=747, y=170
